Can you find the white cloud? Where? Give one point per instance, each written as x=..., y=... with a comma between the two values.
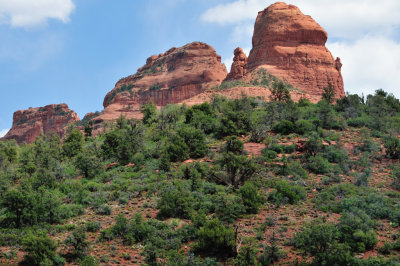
x=31, y=13
x=370, y=63
x=362, y=33
x=341, y=18
x=3, y=132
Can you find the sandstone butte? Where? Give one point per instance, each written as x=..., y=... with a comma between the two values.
x=286, y=43
x=291, y=46
x=30, y=123
x=171, y=77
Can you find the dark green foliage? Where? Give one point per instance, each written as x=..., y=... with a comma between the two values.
x=176, y=148
x=73, y=143
x=8, y=152
x=93, y=226
x=247, y=254
x=200, y=204
x=252, y=200
x=302, y=127
x=272, y=253
x=285, y=192
x=322, y=242
x=228, y=207
x=40, y=249
x=16, y=205
x=138, y=230
x=123, y=142
x=269, y=154
x=88, y=164
x=149, y=111
x=329, y=93
x=88, y=261
x=356, y=230
x=216, y=239
x=318, y=165
x=280, y=92
x=78, y=241
x=284, y=127
x=195, y=140
x=175, y=201
x=392, y=146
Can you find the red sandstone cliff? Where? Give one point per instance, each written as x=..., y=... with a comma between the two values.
x=291, y=46
x=171, y=77
x=30, y=123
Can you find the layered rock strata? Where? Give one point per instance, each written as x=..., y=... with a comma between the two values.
x=30, y=123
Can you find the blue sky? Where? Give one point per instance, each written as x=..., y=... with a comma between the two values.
x=74, y=51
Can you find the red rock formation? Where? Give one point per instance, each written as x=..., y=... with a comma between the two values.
x=239, y=65
x=291, y=46
x=30, y=123
x=171, y=77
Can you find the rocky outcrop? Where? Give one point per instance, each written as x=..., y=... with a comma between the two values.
x=239, y=65
x=171, y=77
x=291, y=46
x=30, y=123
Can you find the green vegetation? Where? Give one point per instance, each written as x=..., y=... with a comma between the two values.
x=124, y=87
x=239, y=182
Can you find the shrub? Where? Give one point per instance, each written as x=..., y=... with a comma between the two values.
x=176, y=149
x=88, y=164
x=176, y=201
x=280, y=92
x=247, y=254
x=322, y=242
x=228, y=207
x=73, y=143
x=329, y=93
x=78, y=241
x=138, y=230
x=216, y=239
x=303, y=126
x=286, y=193
x=93, y=226
x=284, y=127
x=335, y=155
x=40, y=249
x=149, y=111
x=251, y=198
x=356, y=230
x=103, y=210
x=318, y=165
x=392, y=146
x=269, y=154
x=89, y=261
x=195, y=140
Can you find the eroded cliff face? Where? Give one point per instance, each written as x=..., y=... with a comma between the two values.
x=239, y=65
x=30, y=123
x=291, y=46
x=171, y=77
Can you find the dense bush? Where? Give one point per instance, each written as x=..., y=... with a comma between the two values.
x=252, y=200
x=78, y=241
x=175, y=201
x=216, y=239
x=285, y=192
x=40, y=249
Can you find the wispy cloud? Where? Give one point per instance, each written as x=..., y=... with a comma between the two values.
x=3, y=132
x=32, y=13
